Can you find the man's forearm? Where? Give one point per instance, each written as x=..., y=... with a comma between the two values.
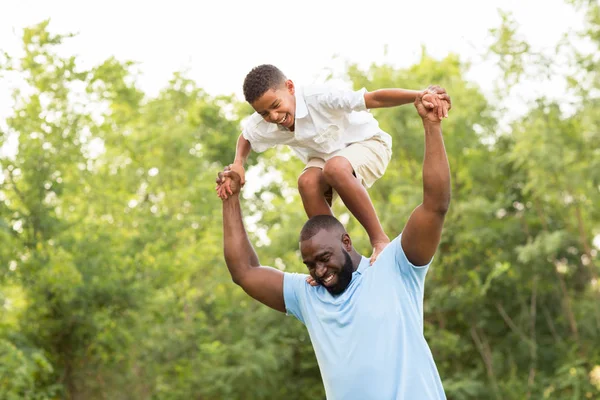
x=392, y=97
x=436, y=171
x=242, y=150
x=239, y=253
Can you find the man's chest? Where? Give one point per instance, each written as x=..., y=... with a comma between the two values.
x=370, y=302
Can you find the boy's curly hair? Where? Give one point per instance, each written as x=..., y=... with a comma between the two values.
x=260, y=79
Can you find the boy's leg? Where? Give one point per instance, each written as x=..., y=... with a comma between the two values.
x=313, y=189
x=360, y=163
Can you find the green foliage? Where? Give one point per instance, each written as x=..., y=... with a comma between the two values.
x=24, y=376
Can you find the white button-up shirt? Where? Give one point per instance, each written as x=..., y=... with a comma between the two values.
x=327, y=120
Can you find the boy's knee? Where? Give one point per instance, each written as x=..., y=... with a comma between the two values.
x=337, y=168
x=310, y=180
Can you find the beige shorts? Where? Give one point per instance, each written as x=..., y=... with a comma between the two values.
x=369, y=160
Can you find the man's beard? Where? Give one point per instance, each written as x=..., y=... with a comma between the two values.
x=344, y=276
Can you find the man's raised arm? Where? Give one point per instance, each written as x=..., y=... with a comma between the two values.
x=422, y=233
x=264, y=284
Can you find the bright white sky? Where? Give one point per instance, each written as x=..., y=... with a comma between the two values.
x=218, y=42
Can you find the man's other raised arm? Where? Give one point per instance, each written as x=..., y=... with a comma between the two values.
x=264, y=284
x=422, y=233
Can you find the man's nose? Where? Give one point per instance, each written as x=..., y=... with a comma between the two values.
x=320, y=270
x=273, y=116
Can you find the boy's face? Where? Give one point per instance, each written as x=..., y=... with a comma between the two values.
x=278, y=106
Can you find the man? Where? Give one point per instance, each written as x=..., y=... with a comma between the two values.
x=365, y=323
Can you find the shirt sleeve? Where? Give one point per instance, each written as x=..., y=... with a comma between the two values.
x=294, y=292
x=344, y=100
x=252, y=133
x=408, y=268
x=414, y=277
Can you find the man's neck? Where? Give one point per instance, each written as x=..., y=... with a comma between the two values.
x=356, y=259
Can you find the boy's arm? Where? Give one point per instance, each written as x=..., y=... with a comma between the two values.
x=242, y=150
x=389, y=97
x=382, y=98
x=264, y=284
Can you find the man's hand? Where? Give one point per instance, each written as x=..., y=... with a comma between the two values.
x=224, y=183
x=231, y=179
x=436, y=98
x=440, y=107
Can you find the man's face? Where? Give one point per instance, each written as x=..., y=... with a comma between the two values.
x=328, y=262
x=278, y=106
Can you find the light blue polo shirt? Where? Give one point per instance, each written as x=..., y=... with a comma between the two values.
x=369, y=340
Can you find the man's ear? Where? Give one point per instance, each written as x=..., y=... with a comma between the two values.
x=346, y=242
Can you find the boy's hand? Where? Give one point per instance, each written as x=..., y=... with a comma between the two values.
x=438, y=100
x=428, y=113
x=233, y=180
x=224, y=188
x=239, y=169
x=311, y=281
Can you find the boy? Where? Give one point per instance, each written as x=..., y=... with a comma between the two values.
x=333, y=133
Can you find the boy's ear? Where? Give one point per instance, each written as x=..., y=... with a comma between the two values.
x=290, y=86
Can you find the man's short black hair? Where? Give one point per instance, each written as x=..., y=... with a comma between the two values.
x=319, y=222
x=260, y=79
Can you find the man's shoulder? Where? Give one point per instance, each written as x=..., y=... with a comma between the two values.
x=297, y=276
x=387, y=261
x=296, y=282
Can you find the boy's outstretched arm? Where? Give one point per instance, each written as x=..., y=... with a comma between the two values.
x=242, y=150
x=264, y=284
x=382, y=98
